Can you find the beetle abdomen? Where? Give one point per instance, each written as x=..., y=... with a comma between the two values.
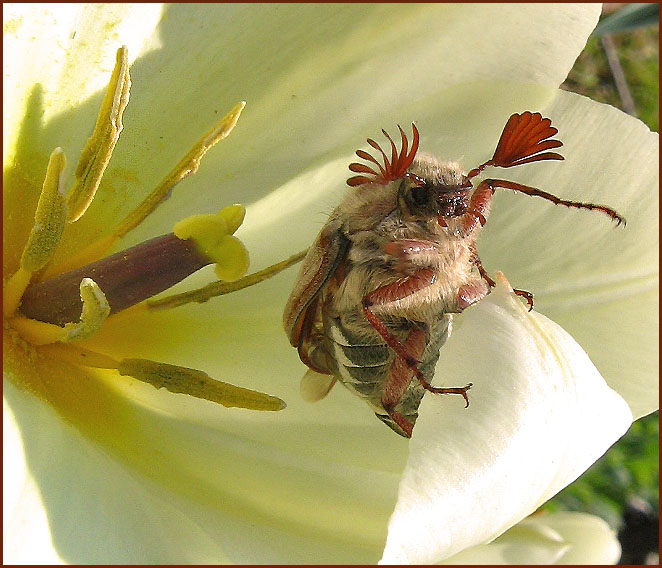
x=365, y=365
x=359, y=364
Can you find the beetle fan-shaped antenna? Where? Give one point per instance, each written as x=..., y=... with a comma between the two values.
x=524, y=139
x=391, y=170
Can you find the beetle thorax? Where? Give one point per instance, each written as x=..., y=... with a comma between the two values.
x=436, y=171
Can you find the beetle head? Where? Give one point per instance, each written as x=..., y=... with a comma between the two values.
x=429, y=188
x=433, y=189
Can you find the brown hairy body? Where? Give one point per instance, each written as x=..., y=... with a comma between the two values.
x=374, y=299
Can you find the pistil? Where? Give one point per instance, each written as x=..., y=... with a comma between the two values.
x=126, y=278
x=54, y=308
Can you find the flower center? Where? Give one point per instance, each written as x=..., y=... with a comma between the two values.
x=56, y=307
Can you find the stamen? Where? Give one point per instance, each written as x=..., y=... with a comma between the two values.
x=95, y=310
x=13, y=291
x=198, y=384
x=175, y=379
x=49, y=217
x=214, y=289
x=187, y=166
x=37, y=332
x=99, y=148
x=49, y=221
x=94, y=313
x=77, y=355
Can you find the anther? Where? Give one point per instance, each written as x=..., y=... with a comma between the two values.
x=49, y=222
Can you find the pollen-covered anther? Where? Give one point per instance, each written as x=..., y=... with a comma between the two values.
x=99, y=148
x=173, y=378
x=49, y=222
x=95, y=310
x=197, y=384
x=94, y=313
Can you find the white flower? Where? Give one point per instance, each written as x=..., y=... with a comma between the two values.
x=101, y=468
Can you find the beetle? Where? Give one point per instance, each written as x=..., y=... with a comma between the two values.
x=375, y=296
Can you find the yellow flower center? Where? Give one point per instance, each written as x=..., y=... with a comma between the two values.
x=50, y=310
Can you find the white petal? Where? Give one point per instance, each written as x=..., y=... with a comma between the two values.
x=190, y=495
x=596, y=280
x=318, y=80
x=248, y=322
x=540, y=415
x=56, y=56
x=26, y=537
x=557, y=538
x=324, y=462
x=591, y=540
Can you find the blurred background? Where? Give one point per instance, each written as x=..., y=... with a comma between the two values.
x=620, y=66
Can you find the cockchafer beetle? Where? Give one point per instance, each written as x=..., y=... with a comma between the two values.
x=375, y=297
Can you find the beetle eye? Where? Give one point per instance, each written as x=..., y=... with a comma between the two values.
x=419, y=195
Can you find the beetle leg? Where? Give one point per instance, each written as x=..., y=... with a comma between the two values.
x=401, y=420
x=399, y=378
x=495, y=183
x=398, y=290
x=528, y=296
x=478, y=204
x=471, y=293
x=411, y=254
x=475, y=259
x=402, y=288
